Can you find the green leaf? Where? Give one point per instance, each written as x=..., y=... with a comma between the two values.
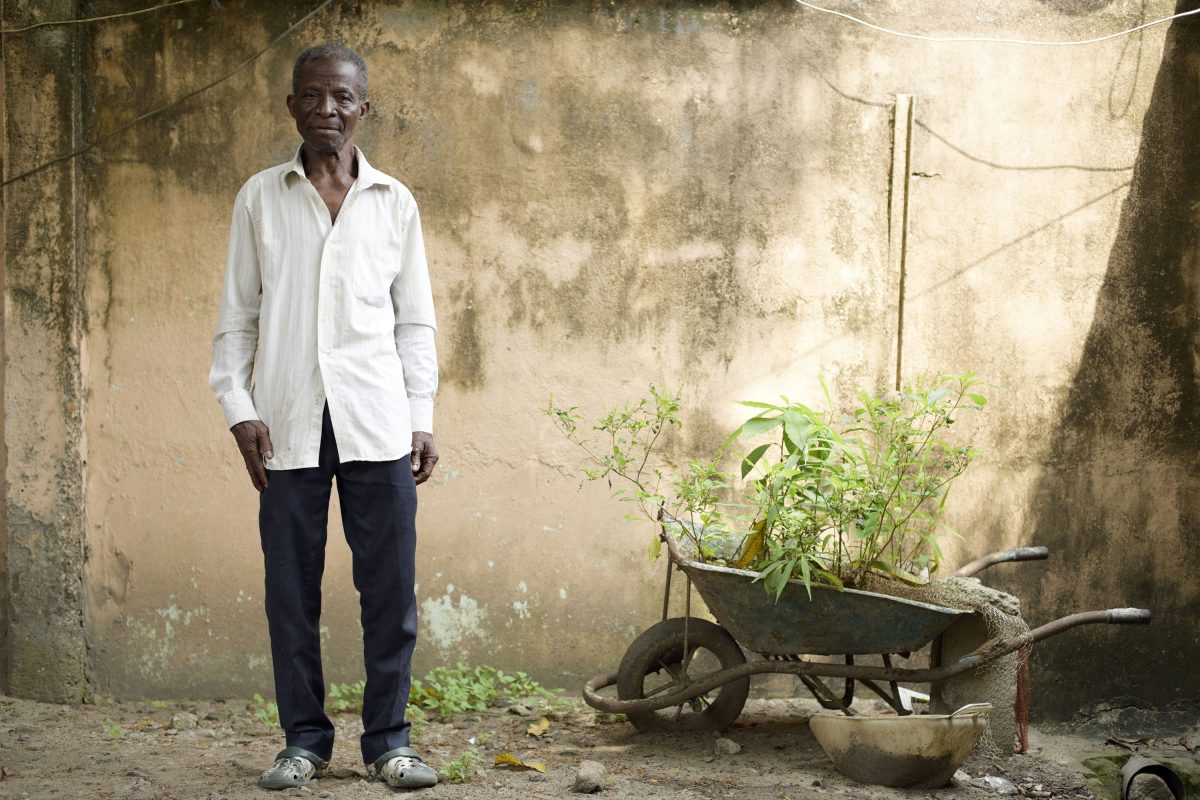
x=752, y=458
x=797, y=427
x=755, y=404
x=757, y=426
x=978, y=399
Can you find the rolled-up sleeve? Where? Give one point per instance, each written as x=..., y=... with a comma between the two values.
x=236, y=338
x=412, y=301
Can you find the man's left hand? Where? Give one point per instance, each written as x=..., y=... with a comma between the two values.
x=424, y=456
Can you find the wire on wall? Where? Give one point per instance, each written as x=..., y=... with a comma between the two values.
x=86, y=20
x=179, y=101
x=924, y=38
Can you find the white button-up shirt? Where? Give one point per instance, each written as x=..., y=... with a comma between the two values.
x=337, y=311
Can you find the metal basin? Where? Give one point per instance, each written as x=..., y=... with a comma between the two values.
x=913, y=752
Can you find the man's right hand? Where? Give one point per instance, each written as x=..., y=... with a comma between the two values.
x=254, y=442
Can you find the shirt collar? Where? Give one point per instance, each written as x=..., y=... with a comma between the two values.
x=367, y=175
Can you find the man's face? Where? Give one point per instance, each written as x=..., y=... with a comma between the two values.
x=326, y=105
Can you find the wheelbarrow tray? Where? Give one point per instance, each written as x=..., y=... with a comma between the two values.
x=833, y=622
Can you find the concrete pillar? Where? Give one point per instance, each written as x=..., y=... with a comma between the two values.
x=45, y=649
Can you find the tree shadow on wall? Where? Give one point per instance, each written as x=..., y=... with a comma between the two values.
x=1118, y=501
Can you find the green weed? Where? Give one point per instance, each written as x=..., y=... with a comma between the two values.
x=418, y=719
x=450, y=690
x=266, y=711
x=461, y=769
x=345, y=697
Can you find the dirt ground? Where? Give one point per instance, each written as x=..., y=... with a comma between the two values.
x=210, y=750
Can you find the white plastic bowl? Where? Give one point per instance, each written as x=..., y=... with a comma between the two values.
x=913, y=752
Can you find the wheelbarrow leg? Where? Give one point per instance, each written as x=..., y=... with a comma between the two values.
x=822, y=693
x=892, y=697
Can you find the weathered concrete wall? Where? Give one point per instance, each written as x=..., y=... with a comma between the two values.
x=1119, y=495
x=46, y=653
x=614, y=195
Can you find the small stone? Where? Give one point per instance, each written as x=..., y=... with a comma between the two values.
x=962, y=777
x=726, y=747
x=36, y=746
x=538, y=777
x=183, y=721
x=589, y=778
x=993, y=783
x=136, y=773
x=709, y=759
x=817, y=784
x=215, y=796
x=520, y=710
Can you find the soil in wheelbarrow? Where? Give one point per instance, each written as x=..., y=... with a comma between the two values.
x=212, y=750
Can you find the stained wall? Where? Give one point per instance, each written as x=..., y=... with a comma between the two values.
x=697, y=195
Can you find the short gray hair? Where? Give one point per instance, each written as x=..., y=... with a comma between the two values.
x=331, y=51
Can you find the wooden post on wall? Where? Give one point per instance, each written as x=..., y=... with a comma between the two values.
x=902, y=132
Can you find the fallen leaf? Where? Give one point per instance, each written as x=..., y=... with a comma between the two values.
x=539, y=728
x=509, y=761
x=1191, y=748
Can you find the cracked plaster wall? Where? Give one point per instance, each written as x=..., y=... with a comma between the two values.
x=612, y=194
x=45, y=650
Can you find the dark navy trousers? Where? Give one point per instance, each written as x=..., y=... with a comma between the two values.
x=379, y=505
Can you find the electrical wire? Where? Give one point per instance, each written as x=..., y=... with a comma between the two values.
x=126, y=126
x=925, y=38
x=94, y=19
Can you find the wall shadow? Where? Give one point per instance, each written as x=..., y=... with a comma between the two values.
x=1118, y=501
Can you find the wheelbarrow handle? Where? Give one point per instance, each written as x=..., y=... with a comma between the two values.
x=1002, y=557
x=1129, y=616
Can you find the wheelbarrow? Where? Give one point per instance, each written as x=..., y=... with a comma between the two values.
x=689, y=674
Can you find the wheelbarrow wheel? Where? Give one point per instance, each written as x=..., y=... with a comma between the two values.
x=655, y=664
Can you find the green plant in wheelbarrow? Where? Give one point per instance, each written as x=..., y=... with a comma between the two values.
x=829, y=499
x=839, y=499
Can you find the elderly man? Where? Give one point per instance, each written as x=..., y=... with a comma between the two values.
x=326, y=281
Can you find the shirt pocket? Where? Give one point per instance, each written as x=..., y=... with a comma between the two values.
x=376, y=265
